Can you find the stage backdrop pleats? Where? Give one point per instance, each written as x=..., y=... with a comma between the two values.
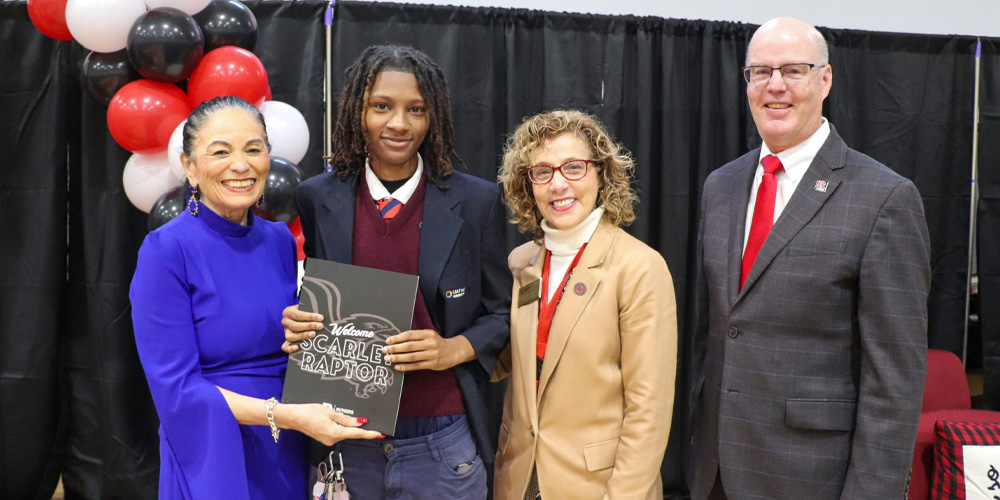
x=72, y=390
x=33, y=93
x=988, y=222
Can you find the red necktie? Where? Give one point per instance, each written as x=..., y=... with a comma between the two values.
x=388, y=207
x=763, y=214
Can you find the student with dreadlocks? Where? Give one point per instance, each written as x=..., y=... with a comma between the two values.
x=396, y=204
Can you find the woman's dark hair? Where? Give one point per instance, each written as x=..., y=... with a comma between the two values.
x=197, y=118
x=438, y=147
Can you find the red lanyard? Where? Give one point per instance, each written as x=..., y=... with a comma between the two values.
x=548, y=308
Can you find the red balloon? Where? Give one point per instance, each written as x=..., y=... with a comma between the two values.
x=295, y=226
x=228, y=70
x=49, y=16
x=144, y=113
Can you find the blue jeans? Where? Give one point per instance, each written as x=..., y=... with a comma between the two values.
x=443, y=465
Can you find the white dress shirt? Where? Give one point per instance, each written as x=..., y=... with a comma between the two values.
x=796, y=161
x=403, y=194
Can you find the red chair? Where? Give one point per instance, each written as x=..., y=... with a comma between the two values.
x=946, y=397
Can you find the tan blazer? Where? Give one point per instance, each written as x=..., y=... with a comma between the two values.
x=598, y=423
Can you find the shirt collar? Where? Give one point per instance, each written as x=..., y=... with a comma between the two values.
x=378, y=191
x=796, y=160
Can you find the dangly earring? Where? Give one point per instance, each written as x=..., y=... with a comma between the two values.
x=260, y=201
x=192, y=204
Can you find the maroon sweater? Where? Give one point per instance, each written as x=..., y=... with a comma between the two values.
x=394, y=245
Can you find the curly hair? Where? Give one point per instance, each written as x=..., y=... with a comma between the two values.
x=614, y=161
x=438, y=148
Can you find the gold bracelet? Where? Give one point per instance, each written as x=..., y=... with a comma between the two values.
x=268, y=407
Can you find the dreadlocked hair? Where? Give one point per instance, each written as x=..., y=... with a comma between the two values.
x=438, y=148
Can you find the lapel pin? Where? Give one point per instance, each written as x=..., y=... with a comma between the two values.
x=821, y=186
x=579, y=288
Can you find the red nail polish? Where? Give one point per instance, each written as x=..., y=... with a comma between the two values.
x=381, y=436
x=362, y=420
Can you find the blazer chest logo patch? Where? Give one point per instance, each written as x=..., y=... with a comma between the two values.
x=454, y=294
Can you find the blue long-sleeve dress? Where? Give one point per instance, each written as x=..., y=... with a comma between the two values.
x=207, y=297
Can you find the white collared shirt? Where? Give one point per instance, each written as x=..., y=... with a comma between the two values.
x=795, y=161
x=403, y=194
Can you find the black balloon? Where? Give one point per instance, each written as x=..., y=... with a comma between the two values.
x=165, y=44
x=227, y=22
x=279, y=194
x=168, y=206
x=104, y=74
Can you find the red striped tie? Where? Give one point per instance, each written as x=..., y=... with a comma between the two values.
x=763, y=214
x=388, y=207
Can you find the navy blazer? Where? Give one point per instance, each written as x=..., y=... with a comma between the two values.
x=462, y=246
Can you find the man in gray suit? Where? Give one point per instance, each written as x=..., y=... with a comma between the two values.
x=811, y=344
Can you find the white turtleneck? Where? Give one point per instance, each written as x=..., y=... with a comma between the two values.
x=565, y=243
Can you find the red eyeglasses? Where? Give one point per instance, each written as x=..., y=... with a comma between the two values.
x=572, y=170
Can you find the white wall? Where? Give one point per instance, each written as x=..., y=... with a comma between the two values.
x=963, y=17
x=941, y=17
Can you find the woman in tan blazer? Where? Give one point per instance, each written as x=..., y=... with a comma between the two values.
x=593, y=350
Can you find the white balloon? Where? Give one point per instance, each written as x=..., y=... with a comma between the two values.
x=146, y=178
x=102, y=25
x=174, y=149
x=190, y=7
x=286, y=130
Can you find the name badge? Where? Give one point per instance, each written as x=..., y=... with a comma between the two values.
x=529, y=292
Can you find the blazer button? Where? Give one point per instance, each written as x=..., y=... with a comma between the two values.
x=734, y=332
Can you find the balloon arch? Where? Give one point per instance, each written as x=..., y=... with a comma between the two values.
x=152, y=67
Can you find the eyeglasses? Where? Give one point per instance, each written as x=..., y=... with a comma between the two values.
x=572, y=170
x=790, y=72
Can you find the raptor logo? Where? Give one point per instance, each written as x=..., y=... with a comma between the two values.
x=349, y=348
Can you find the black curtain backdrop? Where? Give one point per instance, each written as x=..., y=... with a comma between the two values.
x=111, y=447
x=73, y=392
x=33, y=90
x=907, y=101
x=75, y=397
x=988, y=247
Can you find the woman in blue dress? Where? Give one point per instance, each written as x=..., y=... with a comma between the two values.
x=207, y=297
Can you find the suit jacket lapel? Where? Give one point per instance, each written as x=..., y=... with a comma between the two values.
x=524, y=340
x=572, y=305
x=440, y=227
x=337, y=230
x=804, y=203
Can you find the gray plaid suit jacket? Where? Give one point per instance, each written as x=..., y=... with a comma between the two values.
x=809, y=381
